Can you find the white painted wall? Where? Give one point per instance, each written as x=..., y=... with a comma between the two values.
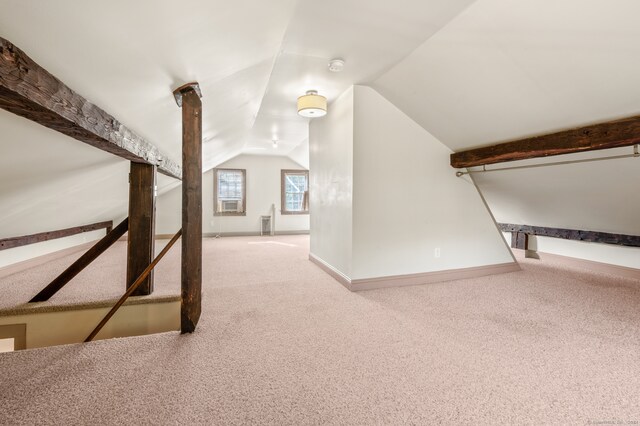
x=407, y=202
x=263, y=191
x=64, y=327
x=384, y=196
x=331, y=183
x=604, y=253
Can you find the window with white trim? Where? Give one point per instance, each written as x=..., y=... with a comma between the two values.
x=294, y=192
x=229, y=192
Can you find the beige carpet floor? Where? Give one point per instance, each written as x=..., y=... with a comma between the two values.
x=102, y=281
x=282, y=343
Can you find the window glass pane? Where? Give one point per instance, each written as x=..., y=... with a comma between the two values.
x=230, y=185
x=295, y=186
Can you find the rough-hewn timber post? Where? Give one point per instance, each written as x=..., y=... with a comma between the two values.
x=188, y=97
x=142, y=212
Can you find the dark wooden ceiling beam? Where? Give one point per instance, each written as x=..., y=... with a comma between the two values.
x=30, y=91
x=573, y=234
x=612, y=134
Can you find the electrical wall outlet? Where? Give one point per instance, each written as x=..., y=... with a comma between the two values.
x=436, y=252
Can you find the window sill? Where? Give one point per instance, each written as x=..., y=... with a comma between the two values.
x=230, y=213
x=293, y=213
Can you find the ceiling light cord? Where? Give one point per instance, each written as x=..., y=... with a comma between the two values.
x=636, y=153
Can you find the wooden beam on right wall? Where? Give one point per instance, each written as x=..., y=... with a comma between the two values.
x=611, y=134
x=566, y=234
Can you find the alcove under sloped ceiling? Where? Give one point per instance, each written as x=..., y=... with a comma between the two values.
x=501, y=72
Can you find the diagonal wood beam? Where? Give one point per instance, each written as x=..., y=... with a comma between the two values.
x=612, y=134
x=83, y=261
x=30, y=91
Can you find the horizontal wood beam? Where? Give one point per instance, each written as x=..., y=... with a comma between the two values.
x=30, y=91
x=83, y=261
x=573, y=234
x=12, y=242
x=612, y=134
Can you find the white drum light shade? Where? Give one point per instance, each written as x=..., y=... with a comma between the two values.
x=312, y=105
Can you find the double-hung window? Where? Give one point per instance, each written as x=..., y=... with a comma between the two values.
x=295, y=192
x=229, y=192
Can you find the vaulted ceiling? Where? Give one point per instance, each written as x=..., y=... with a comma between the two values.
x=470, y=72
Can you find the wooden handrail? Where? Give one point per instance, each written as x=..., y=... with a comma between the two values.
x=134, y=286
x=83, y=261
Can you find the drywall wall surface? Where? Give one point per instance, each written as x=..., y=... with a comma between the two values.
x=331, y=184
x=411, y=214
x=74, y=325
x=605, y=253
x=262, y=192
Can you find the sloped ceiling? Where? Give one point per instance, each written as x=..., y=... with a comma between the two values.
x=506, y=70
x=472, y=73
x=252, y=59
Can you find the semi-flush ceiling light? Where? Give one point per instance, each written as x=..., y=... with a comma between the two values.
x=312, y=105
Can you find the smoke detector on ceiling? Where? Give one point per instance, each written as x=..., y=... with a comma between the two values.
x=336, y=65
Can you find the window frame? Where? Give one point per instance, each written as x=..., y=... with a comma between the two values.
x=283, y=174
x=215, y=192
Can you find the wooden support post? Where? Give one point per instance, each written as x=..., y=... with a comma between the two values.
x=84, y=260
x=142, y=211
x=188, y=96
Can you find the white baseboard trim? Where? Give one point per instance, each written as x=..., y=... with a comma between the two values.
x=337, y=275
x=414, y=279
x=590, y=265
x=14, y=268
x=433, y=277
